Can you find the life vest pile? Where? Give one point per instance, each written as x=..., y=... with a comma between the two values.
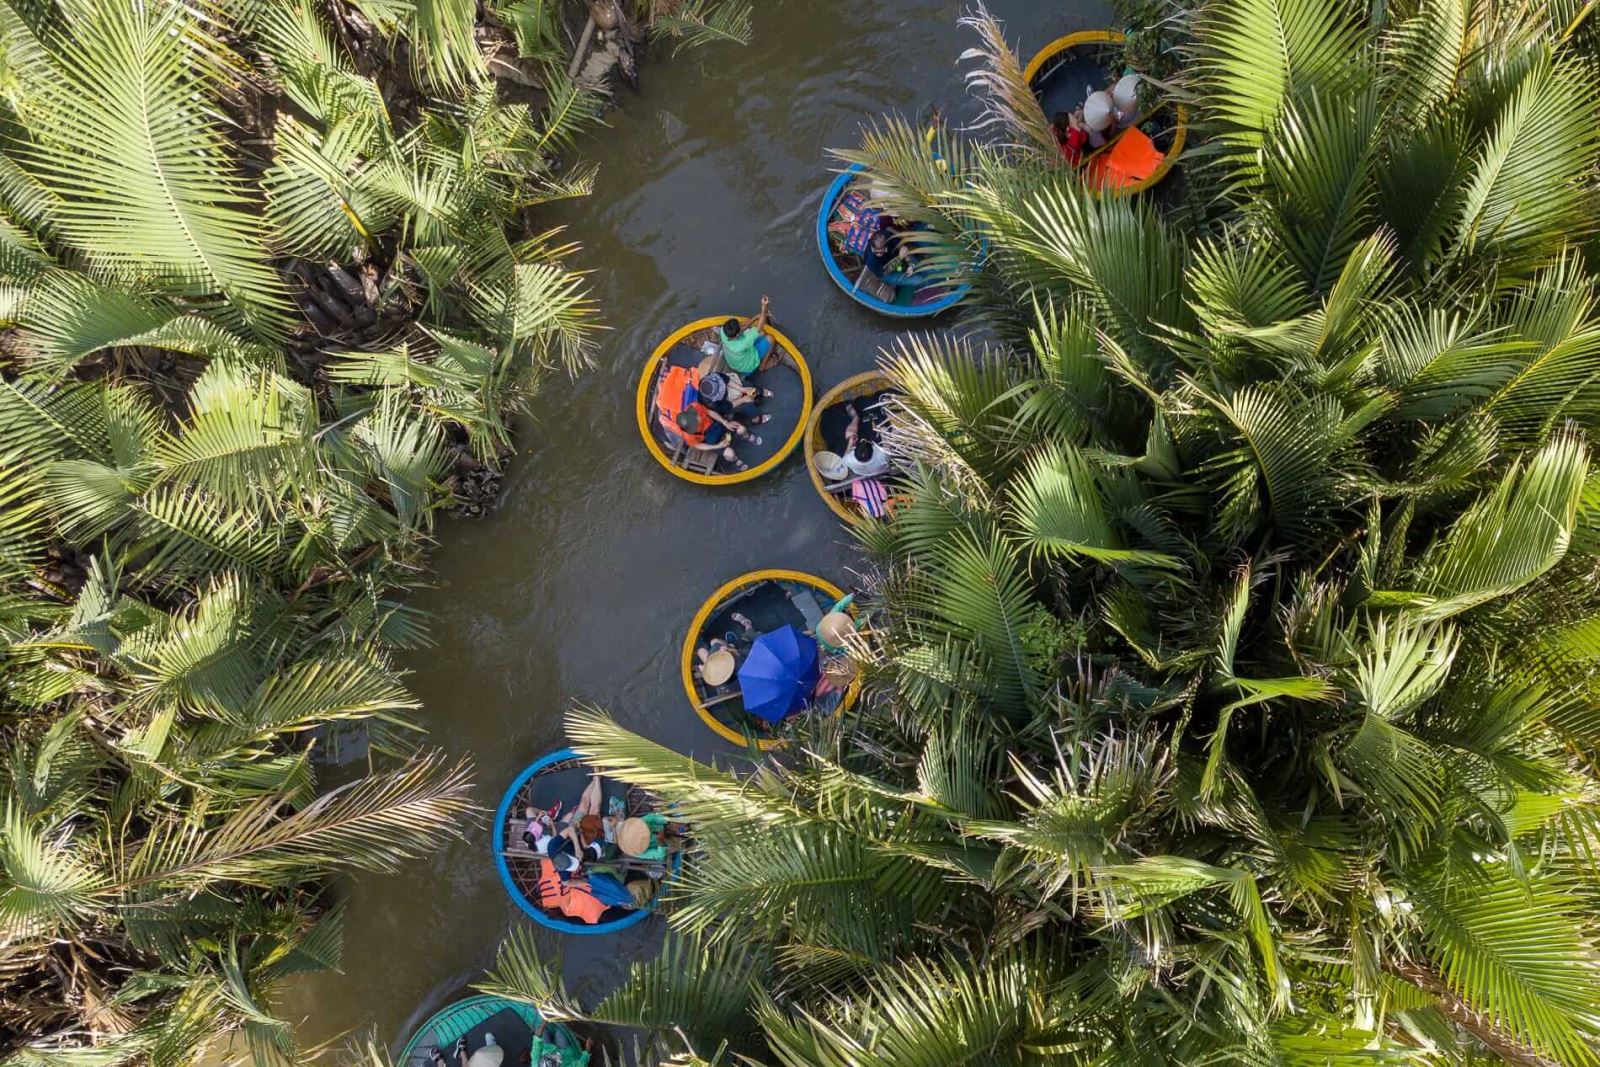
x=570, y=900
x=680, y=392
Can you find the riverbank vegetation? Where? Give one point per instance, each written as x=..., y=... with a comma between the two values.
x=1232, y=658
x=273, y=291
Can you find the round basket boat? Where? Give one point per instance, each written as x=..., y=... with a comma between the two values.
x=1130, y=162
x=517, y=1028
x=559, y=776
x=825, y=432
x=695, y=347
x=771, y=599
x=914, y=297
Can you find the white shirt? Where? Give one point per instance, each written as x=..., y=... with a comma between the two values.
x=871, y=467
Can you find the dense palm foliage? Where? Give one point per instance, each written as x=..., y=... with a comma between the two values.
x=213, y=493
x=1233, y=654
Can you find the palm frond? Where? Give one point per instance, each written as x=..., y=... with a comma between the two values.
x=1008, y=100
x=1257, y=56
x=374, y=824
x=444, y=47
x=1525, y=198
x=1516, y=952
x=691, y=23
x=126, y=133
x=1510, y=536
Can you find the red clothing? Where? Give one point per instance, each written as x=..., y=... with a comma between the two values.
x=1072, y=148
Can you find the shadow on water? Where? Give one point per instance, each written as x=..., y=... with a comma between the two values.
x=580, y=587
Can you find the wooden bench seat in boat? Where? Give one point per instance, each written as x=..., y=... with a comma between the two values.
x=693, y=459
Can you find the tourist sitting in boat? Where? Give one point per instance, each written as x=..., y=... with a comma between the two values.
x=833, y=632
x=834, y=682
x=705, y=431
x=558, y=891
x=650, y=837
x=490, y=1055
x=863, y=455
x=542, y=831
x=887, y=256
x=683, y=414
x=1125, y=100
x=726, y=396
x=745, y=347
x=1071, y=134
x=718, y=659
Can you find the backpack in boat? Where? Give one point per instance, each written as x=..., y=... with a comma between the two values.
x=680, y=391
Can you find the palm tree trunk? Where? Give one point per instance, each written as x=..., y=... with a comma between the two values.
x=1464, y=1015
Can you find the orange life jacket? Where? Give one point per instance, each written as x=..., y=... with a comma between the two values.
x=571, y=900
x=673, y=398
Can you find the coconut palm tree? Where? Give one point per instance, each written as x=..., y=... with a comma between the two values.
x=1230, y=674
x=188, y=607
x=212, y=493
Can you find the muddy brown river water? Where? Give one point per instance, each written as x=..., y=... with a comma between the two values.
x=580, y=587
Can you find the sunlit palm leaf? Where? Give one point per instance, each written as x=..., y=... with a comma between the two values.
x=128, y=133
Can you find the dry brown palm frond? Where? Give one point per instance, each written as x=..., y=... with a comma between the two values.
x=1008, y=101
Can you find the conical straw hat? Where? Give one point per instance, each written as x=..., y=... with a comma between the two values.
x=718, y=667
x=633, y=836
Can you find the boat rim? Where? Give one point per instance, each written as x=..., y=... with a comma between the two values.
x=538, y=915
x=467, y=1002
x=835, y=191
x=645, y=416
x=703, y=616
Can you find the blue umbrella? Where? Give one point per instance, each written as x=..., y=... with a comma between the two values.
x=779, y=673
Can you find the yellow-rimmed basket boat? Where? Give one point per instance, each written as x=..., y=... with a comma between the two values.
x=1053, y=62
x=771, y=599
x=693, y=345
x=865, y=384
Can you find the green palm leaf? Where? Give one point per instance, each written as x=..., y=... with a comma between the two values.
x=125, y=132
x=1510, y=536
x=68, y=318
x=691, y=23
x=376, y=824
x=1526, y=197
x=946, y=1011
x=1517, y=952
x=1057, y=505
x=1256, y=56
x=45, y=887
x=249, y=437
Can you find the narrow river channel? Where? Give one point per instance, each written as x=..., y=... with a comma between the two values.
x=580, y=587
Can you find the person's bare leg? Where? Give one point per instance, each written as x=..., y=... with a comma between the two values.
x=589, y=803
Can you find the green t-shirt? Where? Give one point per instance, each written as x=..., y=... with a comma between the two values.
x=657, y=851
x=740, y=352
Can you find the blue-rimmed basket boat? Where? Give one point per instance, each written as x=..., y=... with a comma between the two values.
x=516, y=1028
x=915, y=297
x=562, y=776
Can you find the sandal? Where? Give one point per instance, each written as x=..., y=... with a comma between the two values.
x=752, y=438
x=736, y=463
x=761, y=420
